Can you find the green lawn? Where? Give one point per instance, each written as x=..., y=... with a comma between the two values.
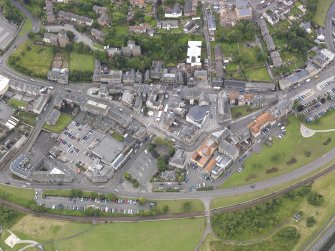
x=176, y=206
x=36, y=60
x=283, y=156
x=27, y=26
x=17, y=103
x=241, y=111
x=81, y=62
x=321, y=11
x=62, y=122
x=258, y=74
x=26, y=117
x=21, y=196
x=160, y=235
x=324, y=123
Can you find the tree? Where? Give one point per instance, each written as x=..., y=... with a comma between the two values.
x=70, y=35
x=161, y=163
x=142, y=201
x=111, y=197
x=315, y=199
x=187, y=206
x=165, y=209
x=76, y=193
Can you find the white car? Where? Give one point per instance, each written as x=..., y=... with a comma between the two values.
x=239, y=169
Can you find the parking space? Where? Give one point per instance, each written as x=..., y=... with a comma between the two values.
x=7, y=32
x=303, y=95
x=75, y=142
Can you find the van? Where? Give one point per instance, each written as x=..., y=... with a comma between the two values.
x=145, y=151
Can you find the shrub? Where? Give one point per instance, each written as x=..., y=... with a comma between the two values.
x=310, y=221
x=289, y=233
x=315, y=199
x=328, y=140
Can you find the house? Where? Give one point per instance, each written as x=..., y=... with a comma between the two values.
x=59, y=75
x=131, y=49
x=127, y=98
x=320, y=35
x=200, y=75
x=62, y=39
x=111, y=51
x=263, y=120
x=203, y=155
x=71, y=17
x=211, y=22
x=50, y=12
x=157, y=69
x=99, y=10
x=188, y=8
x=39, y=104
x=95, y=108
x=142, y=28
x=98, y=35
x=129, y=77
x=167, y=24
x=50, y=38
x=276, y=59
x=174, y=12
x=281, y=109
x=306, y=26
x=269, y=42
x=243, y=10
x=103, y=20
x=137, y=3
x=190, y=26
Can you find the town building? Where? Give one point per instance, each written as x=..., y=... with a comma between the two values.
x=194, y=53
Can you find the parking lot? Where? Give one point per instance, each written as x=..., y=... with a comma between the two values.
x=75, y=141
x=7, y=32
x=317, y=105
x=118, y=206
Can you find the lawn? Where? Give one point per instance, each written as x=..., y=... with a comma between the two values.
x=283, y=156
x=241, y=111
x=17, y=103
x=81, y=62
x=321, y=11
x=21, y=196
x=26, y=117
x=27, y=26
x=118, y=136
x=62, y=122
x=324, y=123
x=160, y=235
x=176, y=206
x=258, y=74
x=34, y=60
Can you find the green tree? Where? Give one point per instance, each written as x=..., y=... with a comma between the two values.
x=187, y=206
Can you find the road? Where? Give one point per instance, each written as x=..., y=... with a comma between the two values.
x=329, y=28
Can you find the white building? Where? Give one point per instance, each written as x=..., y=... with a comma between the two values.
x=4, y=85
x=194, y=53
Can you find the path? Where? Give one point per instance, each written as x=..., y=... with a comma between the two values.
x=307, y=132
x=208, y=229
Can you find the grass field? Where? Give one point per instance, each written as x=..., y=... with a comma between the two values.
x=27, y=26
x=26, y=117
x=62, y=122
x=176, y=206
x=17, y=103
x=324, y=123
x=81, y=62
x=241, y=111
x=321, y=11
x=258, y=74
x=283, y=156
x=21, y=196
x=161, y=235
x=37, y=59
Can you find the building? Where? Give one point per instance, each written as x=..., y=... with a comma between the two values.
x=243, y=10
x=141, y=29
x=98, y=35
x=4, y=85
x=71, y=17
x=178, y=159
x=174, y=12
x=50, y=12
x=138, y=3
x=203, y=155
x=39, y=104
x=95, y=108
x=320, y=34
x=99, y=10
x=53, y=117
x=229, y=149
x=60, y=40
x=222, y=163
x=188, y=8
x=59, y=75
x=50, y=38
x=190, y=26
x=276, y=59
x=167, y=24
x=263, y=120
x=131, y=49
x=194, y=53
x=211, y=23
x=198, y=114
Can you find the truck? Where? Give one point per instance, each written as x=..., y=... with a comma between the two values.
x=166, y=108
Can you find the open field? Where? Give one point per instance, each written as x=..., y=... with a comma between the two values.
x=258, y=74
x=17, y=103
x=19, y=196
x=176, y=206
x=321, y=11
x=34, y=60
x=160, y=235
x=232, y=200
x=241, y=111
x=26, y=117
x=81, y=62
x=324, y=123
x=283, y=156
x=62, y=122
